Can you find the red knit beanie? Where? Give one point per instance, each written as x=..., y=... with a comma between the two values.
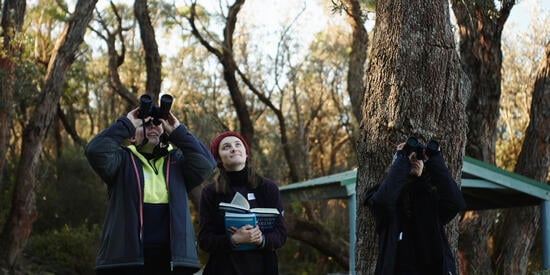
x=214, y=145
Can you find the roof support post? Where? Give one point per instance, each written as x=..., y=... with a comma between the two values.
x=545, y=231
x=352, y=237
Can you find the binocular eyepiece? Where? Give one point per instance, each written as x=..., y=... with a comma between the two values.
x=147, y=109
x=422, y=152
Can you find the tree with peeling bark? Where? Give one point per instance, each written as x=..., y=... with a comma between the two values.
x=480, y=30
x=23, y=211
x=415, y=86
x=512, y=249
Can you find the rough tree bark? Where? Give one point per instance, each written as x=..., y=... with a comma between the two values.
x=13, y=14
x=515, y=235
x=480, y=29
x=415, y=86
x=23, y=210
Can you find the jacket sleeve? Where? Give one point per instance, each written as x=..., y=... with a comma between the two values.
x=198, y=162
x=450, y=199
x=382, y=199
x=275, y=238
x=212, y=235
x=104, y=151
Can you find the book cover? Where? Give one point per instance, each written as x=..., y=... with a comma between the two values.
x=239, y=204
x=265, y=217
x=238, y=220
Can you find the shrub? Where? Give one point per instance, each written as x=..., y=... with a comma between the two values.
x=66, y=251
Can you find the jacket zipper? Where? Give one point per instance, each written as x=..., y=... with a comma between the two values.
x=167, y=179
x=140, y=197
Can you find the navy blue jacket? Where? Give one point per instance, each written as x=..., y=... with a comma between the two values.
x=432, y=201
x=122, y=238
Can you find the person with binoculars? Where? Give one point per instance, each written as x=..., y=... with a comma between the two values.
x=411, y=205
x=150, y=163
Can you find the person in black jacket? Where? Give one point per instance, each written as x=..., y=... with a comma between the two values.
x=417, y=197
x=148, y=228
x=231, y=153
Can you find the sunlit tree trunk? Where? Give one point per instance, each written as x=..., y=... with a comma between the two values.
x=516, y=234
x=480, y=29
x=23, y=210
x=415, y=86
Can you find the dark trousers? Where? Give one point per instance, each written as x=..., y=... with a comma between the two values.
x=157, y=261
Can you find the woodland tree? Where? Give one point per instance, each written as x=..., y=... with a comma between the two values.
x=512, y=247
x=13, y=14
x=480, y=29
x=23, y=211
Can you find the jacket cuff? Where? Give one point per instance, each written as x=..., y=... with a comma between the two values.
x=128, y=125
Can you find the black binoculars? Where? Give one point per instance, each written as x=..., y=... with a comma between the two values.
x=413, y=145
x=147, y=109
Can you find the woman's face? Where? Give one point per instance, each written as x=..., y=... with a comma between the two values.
x=232, y=153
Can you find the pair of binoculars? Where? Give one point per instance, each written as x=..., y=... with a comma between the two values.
x=422, y=151
x=148, y=109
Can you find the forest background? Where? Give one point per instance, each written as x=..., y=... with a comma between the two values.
x=68, y=71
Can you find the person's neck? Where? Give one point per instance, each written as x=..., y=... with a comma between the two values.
x=235, y=168
x=238, y=177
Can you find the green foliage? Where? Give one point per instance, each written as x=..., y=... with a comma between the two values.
x=66, y=251
x=71, y=196
x=71, y=202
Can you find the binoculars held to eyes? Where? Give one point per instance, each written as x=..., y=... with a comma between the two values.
x=422, y=152
x=147, y=109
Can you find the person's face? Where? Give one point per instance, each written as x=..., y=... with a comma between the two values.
x=232, y=153
x=152, y=132
x=417, y=166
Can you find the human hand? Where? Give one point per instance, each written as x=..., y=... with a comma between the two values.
x=133, y=117
x=400, y=146
x=246, y=234
x=170, y=124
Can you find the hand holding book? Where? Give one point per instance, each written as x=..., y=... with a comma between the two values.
x=246, y=234
x=245, y=225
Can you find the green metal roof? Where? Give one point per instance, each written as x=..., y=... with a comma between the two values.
x=484, y=186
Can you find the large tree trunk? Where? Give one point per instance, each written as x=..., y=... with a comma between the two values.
x=480, y=29
x=516, y=233
x=415, y=86
x=23, y=210
x=13, y=13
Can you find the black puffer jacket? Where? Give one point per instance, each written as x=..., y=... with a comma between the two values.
x=420, y=207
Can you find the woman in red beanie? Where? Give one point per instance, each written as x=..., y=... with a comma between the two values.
x=231, y=153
